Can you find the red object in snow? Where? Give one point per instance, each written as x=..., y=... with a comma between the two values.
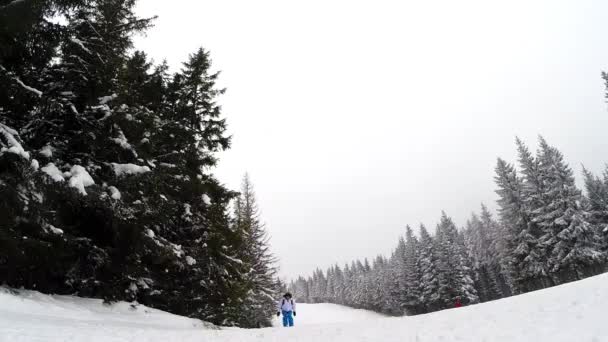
x=457, y=304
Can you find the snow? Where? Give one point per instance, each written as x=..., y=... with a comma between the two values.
x=114, y=193
x=80, y=43
x=129, y=169
x=571, y=312
x=35, y=165
x=54, y=230
x=187, y=212
x=122, y=141
x=177, y=250
x=52, y=170
x=47, y=151
x=74, y=110
x=105, y=99
x=31, y=316
x=235, y=260
x=13, y=144
x=80, y=179
x=105, y=109
x=190, y=260
x=14, y=2
x=206, y=199
x=323, y=313
x=28, y=88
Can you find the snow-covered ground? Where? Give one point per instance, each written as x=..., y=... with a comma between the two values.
x=573, y=312
x=313, y=314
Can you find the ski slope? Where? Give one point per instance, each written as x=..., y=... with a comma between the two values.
x=573, y=312
x=314, y=314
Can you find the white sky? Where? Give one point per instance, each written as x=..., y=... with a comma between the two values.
x=355, y=118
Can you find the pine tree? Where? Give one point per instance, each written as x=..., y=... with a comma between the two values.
x=339, y=286
x=330, y=286
x=377, y=284
x=260, y=273
x=412, y=301
x=522, y=256
x=75, y=147
x=499, y=286
x=300, y=290
x=398, y=287
x=482, y=251
x=454, y=274
x=122, y=193
x=571, y=242
x=597, y=203
x=429, y=279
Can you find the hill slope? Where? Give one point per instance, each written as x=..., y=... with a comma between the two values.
x=571, y=312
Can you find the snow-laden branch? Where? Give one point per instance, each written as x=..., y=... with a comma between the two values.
x=235, y=260
x=12, y=3
x=25, y=86
x=12, y=144
x=28, y=88
x=80, y=43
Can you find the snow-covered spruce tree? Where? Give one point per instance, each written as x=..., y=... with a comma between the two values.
x=330, y=286
x=454, y=274
x=480, y=250
x=260, y=272
x=367, y=286
x=386, y=303
x=398, y=278
x=195, y=213
x=597, y=203
x=519, y=198
x=28, y=43
x=22, y=226
x=128, y=208
x=429, y=278
x=348, y=285
x=411, y=301
x=338, y=285
x=300, y=290
x=379, y=285
x=492, y=259
x=58, y=123
x=571, y=243
x=359, y=290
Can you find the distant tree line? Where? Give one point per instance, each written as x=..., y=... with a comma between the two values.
x=106, y=187
x=547, y=233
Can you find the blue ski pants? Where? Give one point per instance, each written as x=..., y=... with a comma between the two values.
x=287, y=318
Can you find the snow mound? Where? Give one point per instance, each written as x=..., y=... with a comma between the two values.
x=114, y=193
x=78, y=175
x=47, y=151
x=129, y=169
x=12, y=144
x=53, y=172
x=80, y=178
x=31, y=316
x=567, y=313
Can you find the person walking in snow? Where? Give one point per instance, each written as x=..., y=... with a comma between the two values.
x=287, y=308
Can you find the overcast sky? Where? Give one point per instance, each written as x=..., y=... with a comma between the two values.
x=355, y=118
